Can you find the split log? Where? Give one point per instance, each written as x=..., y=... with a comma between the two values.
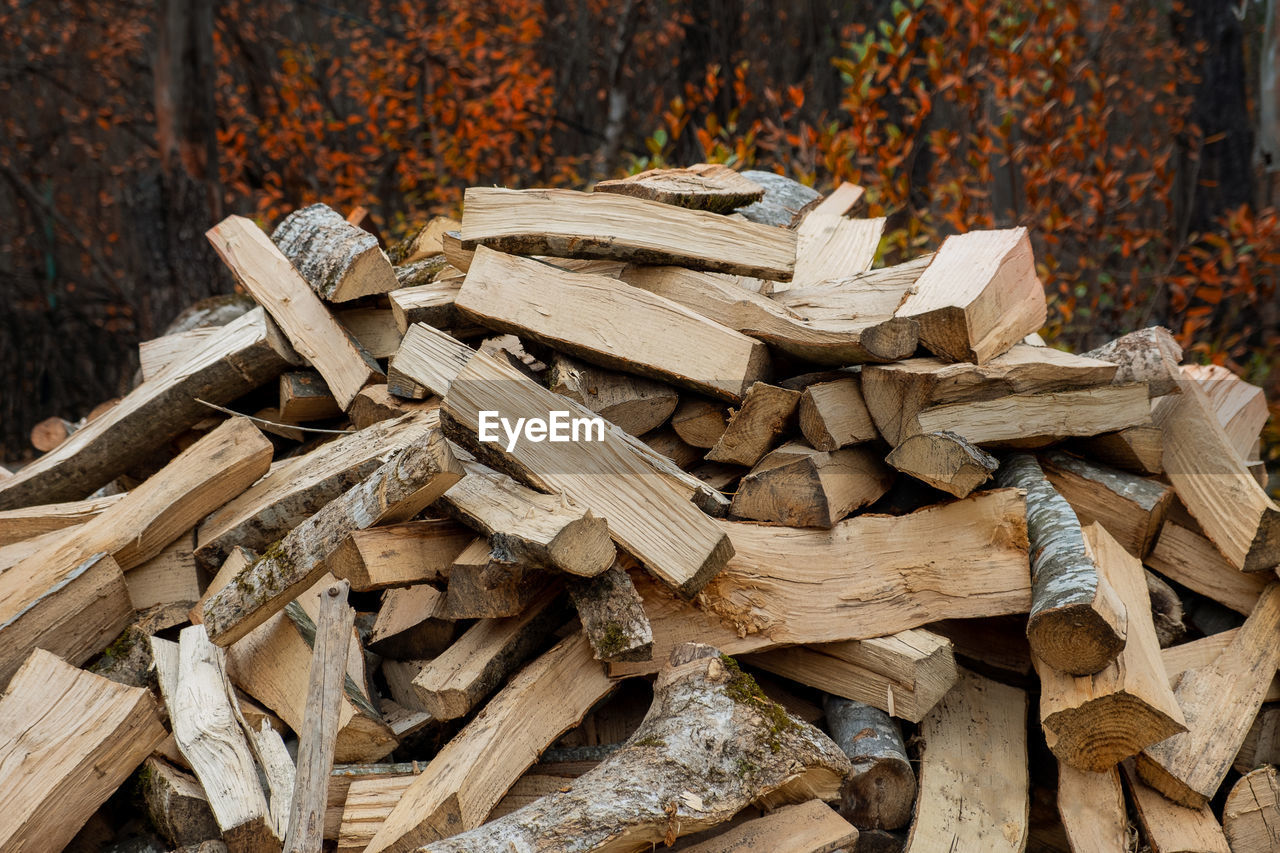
x=297, y=488
x=376, y=403
x=412, y=623
x=666, y=443
x=802, y=487
x=711, y=744
x=810, y=827
x=648, y=514
x=945, y=461
x=340, y=261
x=399, y=384
x=975, y=740
x=469, y=775
x=1139, y=449
x=304, y=396
x=565, y=223
x=1262, y=743
x=700, y=422
x=1219, y=702
x=841, y=201
x=834, y=415
x=1095, y=721
x=875, y=334
x=978, y=297
x=427, y=242
x=1092, y=809
x=1148, y=355
x=1078, y=622
x=399, y=554
x=896, y=394
x=783, y=201
x=477, y=664
x=832, y=246
x=70, y=740
x=169, y=579
x=527, y=526
x=396, y=491
x=754, y=428
x=432, y=304
x=196, y=693
x=903, y=674
x=273, y=281
x=1166, y=610
x=237, y=561
x=1251, y=816
x=876, y=293
x=1200, y=653
x=613, y=325
x=881, y=790
x=613, y=616
x=373, y=328
x=631, y=403
x=243, y=355
x=158, y=353
x=1132, y=508
x=344, y=776
x=319, y=733
x=702, y=186
x=1241, y=408
x=1184, y=556
x=1169, y=827
x=17, y=525
x=485, y=582
x=1213, y=483
x=176, y=804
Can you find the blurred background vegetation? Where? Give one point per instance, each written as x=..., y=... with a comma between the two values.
x=1136, y=140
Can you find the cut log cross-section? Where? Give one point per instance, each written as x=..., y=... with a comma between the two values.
x=945, y=461
x=802, y=487
x=1077, y=621
x=833, y=415
x=755, y=427
x=1251, y=815
x=340, y=261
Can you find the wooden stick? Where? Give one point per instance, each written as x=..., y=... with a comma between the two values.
x=564, y=223
x=710, y=744
x=881, y=790
x=320, y=723
x=944, y=460
x=267, y=274
x=700, y=422
x=613, y=616
x=486, y=582
x=702, y=186
x=1186, y=557
x=340, y=261
x=1077, y=622
x=1092, y=809
x=1241, y=408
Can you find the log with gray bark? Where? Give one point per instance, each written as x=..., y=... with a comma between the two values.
x=881, y=789
x=613, y=616
x=340, y=261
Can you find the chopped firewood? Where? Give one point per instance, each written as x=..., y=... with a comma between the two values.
x=832, y=246
x=978, y=297
x=271, y=665
x=475, y=666
x=1200, y=653
x=871, y=293
x=1170, y=828
x=527, y=526
x=304, y=396
x=1241, y=408
x=802, y=487
x=340, y=261
x=1139, y=449
x=975, y=740
x=874, y=335
x=784, y=199
x=700, y=422
x=1092, y=809
x=243, y=355
x=1262, y=743
x=195, y=690
x=945, y=461
x=1077, y=622
x=407, y=482
x=1093, y=722
x=169, y=578
x=46, y=598
x=399, y=554
x=1186, y=557
x=903, y=674
x=612, y=324
x=432, y=304
x=1211, y=481
x=1166, y=611
x=71, y=738
x=667, y=443
x=373, y=328
x=451, y=244
x=613, y=616
x=376, y=403
x=344, y=776
x=402, y=386
x=834, y=415
x=565, y=223
x=1219, y=702
x=841, y=201
x=427, y=242
x=631, y=403
x=1132, y=508
x=711, y=744
x=411, y=623
x=881, y=790
x=610, y=477
x=466, y=779
x=237, y=561
x=1252, y=811
x=702, y=186
x=810, y=827
x=485, y=582
x=896, y=394
x=267, y=274
x=317, y=738
x=756, y=426
x=158, y=353
x=51, y=432
x=176, y=804
x=17, y=525
x=1149, y=355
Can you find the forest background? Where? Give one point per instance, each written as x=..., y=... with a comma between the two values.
x=1137, y=141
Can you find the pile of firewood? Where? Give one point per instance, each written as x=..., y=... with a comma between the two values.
x=388, y=559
